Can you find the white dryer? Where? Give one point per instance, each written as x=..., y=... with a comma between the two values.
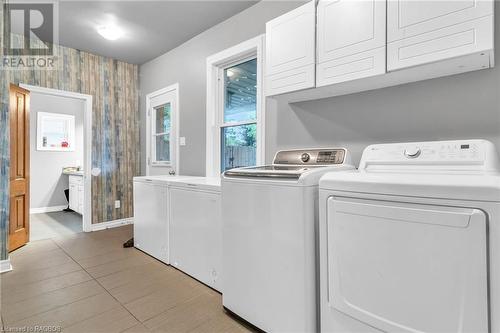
x=411, y=241
x=269, y=238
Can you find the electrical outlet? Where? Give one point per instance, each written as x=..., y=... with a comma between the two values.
x=182, y=141
x=117, y=203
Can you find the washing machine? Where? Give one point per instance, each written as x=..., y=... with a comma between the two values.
x=269, y=238
x=411, y=241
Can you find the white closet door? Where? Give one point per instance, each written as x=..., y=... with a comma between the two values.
x=290, y=50
x=420, y=32
x=403, y=267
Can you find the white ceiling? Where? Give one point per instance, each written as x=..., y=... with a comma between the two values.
x=151, y=28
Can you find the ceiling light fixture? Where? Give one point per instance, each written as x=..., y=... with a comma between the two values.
x=110, y=32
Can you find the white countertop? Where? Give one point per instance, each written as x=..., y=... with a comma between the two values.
x=208, y=183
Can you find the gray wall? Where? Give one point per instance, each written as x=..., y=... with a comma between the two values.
x=455, y=107
x=47, y=184
x=187, y=65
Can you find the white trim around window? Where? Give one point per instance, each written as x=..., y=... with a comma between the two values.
x=174, y=132
x=253, y=48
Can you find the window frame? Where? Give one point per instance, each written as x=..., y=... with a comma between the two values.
x=43, y=118
x=154, y=135
x=216, y=64
x=152, y=166
x=221, y=107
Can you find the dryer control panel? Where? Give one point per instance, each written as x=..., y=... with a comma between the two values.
x=479, y=155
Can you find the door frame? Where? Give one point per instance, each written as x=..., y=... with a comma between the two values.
x=87, y=144
x=175, y=122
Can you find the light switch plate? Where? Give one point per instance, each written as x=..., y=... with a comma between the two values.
x=117, y=203
x=182, y=141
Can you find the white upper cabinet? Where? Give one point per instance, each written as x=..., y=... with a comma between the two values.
x=359, y=45
x=350, y=40
x=290, y=50
x=420, y=32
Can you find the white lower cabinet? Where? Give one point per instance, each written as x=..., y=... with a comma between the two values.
x=151, y=219
x=76, y=194
x=420, y=32
x=351, y=40
x=196, y=232
x=177, y=219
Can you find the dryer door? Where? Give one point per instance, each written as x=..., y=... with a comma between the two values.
x=403, y=267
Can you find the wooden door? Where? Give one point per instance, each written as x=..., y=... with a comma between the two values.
x=19, y=167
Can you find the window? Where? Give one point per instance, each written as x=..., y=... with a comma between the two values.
x=161, y=133
x=235, y=112
x=239, y=126
x=55, y=132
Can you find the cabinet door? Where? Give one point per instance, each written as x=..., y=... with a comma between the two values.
x=420, y=32
x=151, y=220
x=351, y=40
x=80, y=198
x=196, y=234
x=73, y=197
x=290, y=50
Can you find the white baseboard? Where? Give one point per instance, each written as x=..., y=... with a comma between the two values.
x=47, y=209
x=112, y=224
x=5, y=266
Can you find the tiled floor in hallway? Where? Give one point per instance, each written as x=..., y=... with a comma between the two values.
x=88, y=282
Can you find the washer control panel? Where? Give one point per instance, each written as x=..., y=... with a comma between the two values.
x=311, y=156
x=433, y=153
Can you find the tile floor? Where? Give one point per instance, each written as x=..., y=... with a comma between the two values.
x=87, y=282
x=54, y=224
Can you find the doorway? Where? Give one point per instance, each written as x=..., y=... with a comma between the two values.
x=60, y=133
x=162, y=131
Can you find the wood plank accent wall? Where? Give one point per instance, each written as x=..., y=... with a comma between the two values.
x=115, y=124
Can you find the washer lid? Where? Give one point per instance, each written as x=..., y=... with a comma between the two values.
x=271, y=171
x=477, y=187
